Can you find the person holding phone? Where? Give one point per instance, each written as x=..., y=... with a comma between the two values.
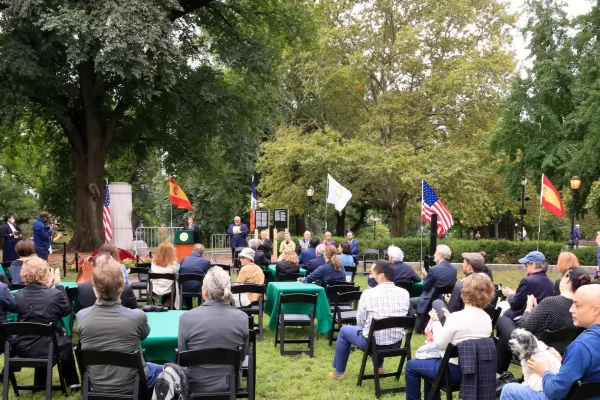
x=11, y=234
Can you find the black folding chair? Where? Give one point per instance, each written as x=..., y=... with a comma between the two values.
x=344, y=311
x=338, y=283
x=254, y=309
x=293, y=277
x=169, y=277
x=404, y=285
x=13, y=363
x=72, y=294
x=560, y=340
x=236, y=260
x=368, y=257
x=437, y=291
x=189, y=295
x=249, y=365
x=302, y=320
x=192, y=358
x=494, y=315
x=351, y=269
x=142, y=285
x=380, y=353
x=583, y=391
x=17, y=286
x=87, y=358
x=442, y=380
x=226, y=267
x=333, y=290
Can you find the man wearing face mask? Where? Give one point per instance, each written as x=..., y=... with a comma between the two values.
x=11, y=234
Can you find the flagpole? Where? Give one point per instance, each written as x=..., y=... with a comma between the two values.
x=421, y=259
x=326, y=202
x=540, y=216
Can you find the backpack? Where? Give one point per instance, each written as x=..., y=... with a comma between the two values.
x=171, y=384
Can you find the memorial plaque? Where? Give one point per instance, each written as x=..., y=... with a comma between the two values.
x=281, y=218
x=262, y=219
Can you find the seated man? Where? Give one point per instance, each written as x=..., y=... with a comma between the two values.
x=403, y=272
x=195, y=263
x=108, y=326
x=259, y=255
x=318, y=261
x=87, y=297
x=213, y=325
x=442, y=274
x=310, y=253
x=580, y=361
x=383, y=301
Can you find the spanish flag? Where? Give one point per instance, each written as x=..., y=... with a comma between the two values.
x=177, y=196
x=550, y=198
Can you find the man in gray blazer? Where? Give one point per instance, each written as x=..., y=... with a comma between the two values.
x=213, y=325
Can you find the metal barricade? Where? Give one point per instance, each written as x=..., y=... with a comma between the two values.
x=219, y=246
x=148, y=238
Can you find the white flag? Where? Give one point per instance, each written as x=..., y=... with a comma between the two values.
x=337, y=194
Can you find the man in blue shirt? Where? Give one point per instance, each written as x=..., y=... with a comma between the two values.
x=195, y=263
x=42, y=236
x=580, y=362
x=310, y=253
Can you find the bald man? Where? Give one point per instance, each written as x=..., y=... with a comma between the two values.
x=581, y=361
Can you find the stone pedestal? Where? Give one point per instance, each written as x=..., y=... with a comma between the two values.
x=121, y=206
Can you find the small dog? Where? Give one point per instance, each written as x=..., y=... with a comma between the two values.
x=524, y=345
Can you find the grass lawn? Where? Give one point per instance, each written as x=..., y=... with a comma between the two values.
x=300, y=377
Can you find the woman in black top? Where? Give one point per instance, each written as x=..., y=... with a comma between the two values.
x=289, y=264
x=25, y=249
x=40, y=302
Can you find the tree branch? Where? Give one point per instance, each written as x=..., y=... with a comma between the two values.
x=188, y=7
x=220, y=15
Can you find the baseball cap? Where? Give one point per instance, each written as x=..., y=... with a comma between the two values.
x=476, y=260
x=533, y=256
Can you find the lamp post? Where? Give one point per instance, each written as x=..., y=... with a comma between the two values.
x=575, y=183
x=260, y=204
x=523, y=210
x=374, y=219
x=310, y=191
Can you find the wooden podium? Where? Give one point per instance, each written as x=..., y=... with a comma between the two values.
x=184, y=244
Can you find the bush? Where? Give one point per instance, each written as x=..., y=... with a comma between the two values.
x=497, y=251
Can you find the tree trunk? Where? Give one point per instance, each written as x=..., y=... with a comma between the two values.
x=361, y=219
x=398, y=210
x=300, y=224
x=340, y=223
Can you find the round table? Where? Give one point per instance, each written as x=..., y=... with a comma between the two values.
x=161, y=343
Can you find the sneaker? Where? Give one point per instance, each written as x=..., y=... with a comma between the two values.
x=333, y=375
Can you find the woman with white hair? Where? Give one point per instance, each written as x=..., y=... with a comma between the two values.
x=403, y=272
x=213, y=325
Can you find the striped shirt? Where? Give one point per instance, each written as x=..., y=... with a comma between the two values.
x=383, y=301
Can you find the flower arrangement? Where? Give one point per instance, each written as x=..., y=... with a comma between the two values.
x=128, y=263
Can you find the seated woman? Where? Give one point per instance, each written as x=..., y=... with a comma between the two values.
x=331, y=271
x=40, y=302
x=213, y=325
x=470, y=323
x=551, y=314
x=566, y=261
x=250, y=272
x=289, y=264
x=164, y=262
x=25, y=249
x=345, y=254
x=114, y=253
x=286, y=243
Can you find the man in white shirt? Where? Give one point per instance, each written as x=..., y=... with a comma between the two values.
x=383, y=301
x=306, y=241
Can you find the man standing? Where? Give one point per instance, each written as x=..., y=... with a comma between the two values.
x=109, y=326
x=354, y=244
x=383, y=301
x=237, y=235
x=442, y=274
x=580, y=361
x=576, y=236
x=42, y=236
x=195, y=263
x=304, y=243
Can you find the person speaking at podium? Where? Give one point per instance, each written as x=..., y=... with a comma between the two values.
x=237, y=235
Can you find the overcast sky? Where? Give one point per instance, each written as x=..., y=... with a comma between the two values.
x=574, y=7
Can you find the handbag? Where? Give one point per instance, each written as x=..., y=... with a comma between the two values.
x=85, y=272
x=504, y=380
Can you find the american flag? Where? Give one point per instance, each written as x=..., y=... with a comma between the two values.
x=106, y=219
x=431, y=204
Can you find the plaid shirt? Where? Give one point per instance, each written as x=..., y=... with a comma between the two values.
x=383, y=301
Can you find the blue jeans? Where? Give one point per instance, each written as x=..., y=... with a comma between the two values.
x=417, y=369
x=42, y=252
x=350, y=335
x=516, y=391
x=152, y=375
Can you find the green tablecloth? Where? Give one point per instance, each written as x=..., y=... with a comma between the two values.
x=273, y=273
x=417, y=289
x=66, y=321
x=161, y=343
x=274, y=289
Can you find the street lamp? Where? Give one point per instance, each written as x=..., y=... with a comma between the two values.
x=374, y=219
x=310, y=191
x=575, y=183
x=260, y=204
x=523, y=210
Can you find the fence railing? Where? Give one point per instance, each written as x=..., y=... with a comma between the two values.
x=219, y=245
x=149, y=237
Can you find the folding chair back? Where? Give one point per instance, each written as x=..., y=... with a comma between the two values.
x=192, y=358
x=437, y=291
x=186, y=295
x=368, y=257
x=133, y=360
x=226, y=267
x=338, y=283
x=12, y=363
x=293, y=277
x=583, y=391
x=284, y=320
x=249, y=365
x=560, y=340
x=169, y=277
x=404, y=285
x=72, y=294
x=141, y=285
x=442, y=380
x=253, y=309
x=17, y=286
x=379, y=353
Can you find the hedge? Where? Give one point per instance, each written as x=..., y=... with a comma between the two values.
x=497, y=251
